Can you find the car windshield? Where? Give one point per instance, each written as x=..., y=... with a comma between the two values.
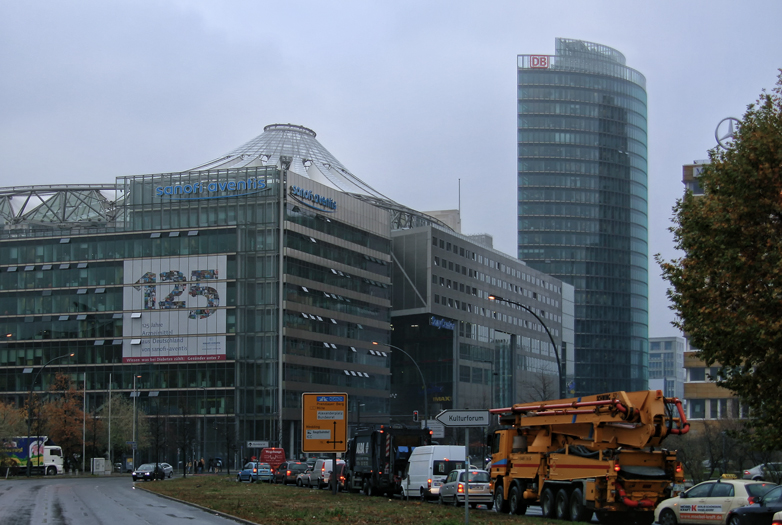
x=298, y=468
x=476, y=476
x=146, y=466
x=249, y=465
x=264, y=465
x=759, y=489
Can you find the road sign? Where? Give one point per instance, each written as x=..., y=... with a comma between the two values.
x=437, y=428
x=257, y=444
x=324, y=418
x=464, y=418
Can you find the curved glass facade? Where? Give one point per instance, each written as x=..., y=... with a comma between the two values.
x=582, y=202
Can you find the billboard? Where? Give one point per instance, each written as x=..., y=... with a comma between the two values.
x=172, y=309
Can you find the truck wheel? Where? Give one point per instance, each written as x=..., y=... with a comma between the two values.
x=667, y=517
x=51, y=471
x=547, y=503
x=561, y=505
x=367, y=488
x=578, y=512
x=500, y=505
x=516, y=500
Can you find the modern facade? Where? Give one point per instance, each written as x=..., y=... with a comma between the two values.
x=582, y=201
x=666, y=365
x=473, y=352
x=221, y=293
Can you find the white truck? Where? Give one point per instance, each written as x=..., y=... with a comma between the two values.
x=44, y=459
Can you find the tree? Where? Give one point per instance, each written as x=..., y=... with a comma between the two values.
x=64, y=417
x=13, y=421
x=727, y=287
x=122, y=415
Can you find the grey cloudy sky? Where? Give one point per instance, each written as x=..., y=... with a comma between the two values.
x=410, y=95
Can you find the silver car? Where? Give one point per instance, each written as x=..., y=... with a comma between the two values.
x=764, y=472
x=167, y=469
x=477, y=486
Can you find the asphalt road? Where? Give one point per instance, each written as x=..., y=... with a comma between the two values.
x=111, y=500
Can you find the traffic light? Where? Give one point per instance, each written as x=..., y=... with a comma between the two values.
x=415, y=415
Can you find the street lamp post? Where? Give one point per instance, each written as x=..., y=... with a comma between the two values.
x=135, y=395
x=556, y=351
x=423, y=381
x=30, y=405
x=204, y=425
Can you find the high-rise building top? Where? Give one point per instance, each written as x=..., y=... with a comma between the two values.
x=582, y=201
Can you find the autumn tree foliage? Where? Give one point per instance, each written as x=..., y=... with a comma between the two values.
x=727, y=287
x=64, y=416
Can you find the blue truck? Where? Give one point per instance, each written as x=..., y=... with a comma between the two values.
x=44, y=457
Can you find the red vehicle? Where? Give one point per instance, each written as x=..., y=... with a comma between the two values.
x=273, y=456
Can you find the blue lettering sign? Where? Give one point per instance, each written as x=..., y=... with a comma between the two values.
x=207, y=190
x=313, y=200
x=441, y=323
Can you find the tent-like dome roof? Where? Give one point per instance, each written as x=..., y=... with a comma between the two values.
x=294, y=148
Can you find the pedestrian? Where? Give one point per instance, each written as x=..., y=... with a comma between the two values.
x=201, y=466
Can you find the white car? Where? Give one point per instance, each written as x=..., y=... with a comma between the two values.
x=479, y=491
x=777, y=519
x=168, y=469
x=710, y=501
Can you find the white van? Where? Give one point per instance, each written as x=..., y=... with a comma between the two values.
x=319, y=477
x=428, y=467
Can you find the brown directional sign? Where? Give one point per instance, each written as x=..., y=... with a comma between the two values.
x=324, y=418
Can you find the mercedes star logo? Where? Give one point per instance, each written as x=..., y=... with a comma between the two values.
x=726, y=132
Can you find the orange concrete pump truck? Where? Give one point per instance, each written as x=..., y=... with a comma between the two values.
x=587, y=454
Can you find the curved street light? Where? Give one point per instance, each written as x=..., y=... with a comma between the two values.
x=556, y=351
x=423, y=381
x=30, y=407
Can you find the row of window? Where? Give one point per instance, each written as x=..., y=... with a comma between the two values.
x=491, y=263
x=592, y=125
x=338, y=278
x=583, y=109
x=582, y=95
x=554, y=180
x=118, y=246
x=716, y=409
x=553, y=77
x=316, y=324
x=330, y=301
x=307, y=244
x=560, y=151
x=336, y=353
x=323, y=224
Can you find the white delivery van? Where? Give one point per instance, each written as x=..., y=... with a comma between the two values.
x=428, y=467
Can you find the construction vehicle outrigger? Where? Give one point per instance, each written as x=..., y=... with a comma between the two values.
x=588, y=454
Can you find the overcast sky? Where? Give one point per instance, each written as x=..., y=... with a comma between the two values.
x=410, y=96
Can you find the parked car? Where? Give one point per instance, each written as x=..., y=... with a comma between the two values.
x=167, y=469
x=764, y=472
x=341, y=477
x=777, y=519
x=710, y=501
x=319, y=475
x=288, y=472
x=148, y=472
x=255, y=471
x=761, y=512
x=303, y=479
x=477, y=485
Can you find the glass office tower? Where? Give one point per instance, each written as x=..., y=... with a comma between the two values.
x=582, y=201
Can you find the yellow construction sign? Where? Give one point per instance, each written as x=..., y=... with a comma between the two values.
x=324, y=418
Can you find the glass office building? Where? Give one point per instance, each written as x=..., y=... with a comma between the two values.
x=582, y=201
x=220, y=293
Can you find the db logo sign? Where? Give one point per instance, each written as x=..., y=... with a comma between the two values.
x=538, y=61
